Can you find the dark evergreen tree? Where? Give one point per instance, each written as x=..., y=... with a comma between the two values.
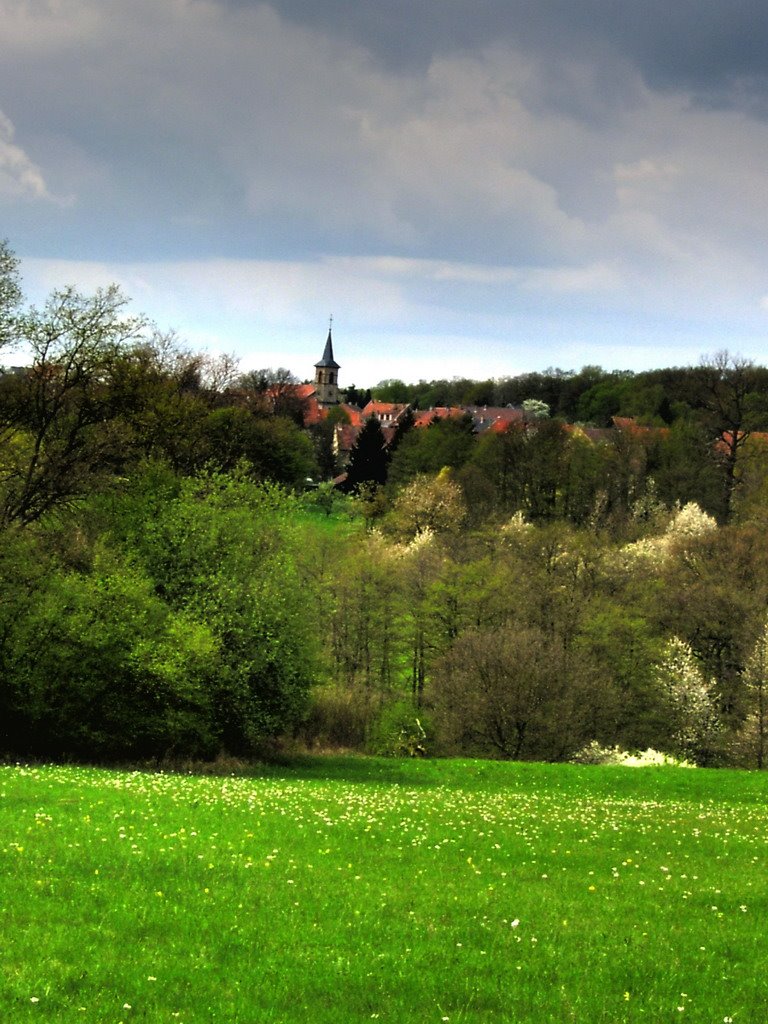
x=369, y=459
x=357, y=396
x=404, y=425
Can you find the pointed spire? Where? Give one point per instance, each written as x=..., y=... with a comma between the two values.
x=328, y=362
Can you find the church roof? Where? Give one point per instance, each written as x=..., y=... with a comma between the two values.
x=328, y=362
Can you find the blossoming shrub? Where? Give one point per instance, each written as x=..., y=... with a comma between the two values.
x=594, y=753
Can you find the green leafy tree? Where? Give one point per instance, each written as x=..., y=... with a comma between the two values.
x=729, y=393
x=547, y=453
x=364, y=622
x=476, y=392
x=324, y=436
x=712, y=590
x=25, y=570
x=156, y=403
x=628, y=465
x=445, y=442
x=604, y=400
x=752, y=499
x=224, y=552
x=586, y=489
x=403, y=427
x=502, y=457
x=687, y=470
x=274, y=448
x=623, y=650
x=755, y=728
x=391, y=391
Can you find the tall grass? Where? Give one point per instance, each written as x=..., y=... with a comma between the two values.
x=362, y=889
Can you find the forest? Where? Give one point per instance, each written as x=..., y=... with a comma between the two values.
x=179, y=576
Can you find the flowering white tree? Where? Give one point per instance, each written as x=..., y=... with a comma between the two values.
x=690, y=521
x=691, y=700
x=428, y=504
x=686, y=523
x=535, y=409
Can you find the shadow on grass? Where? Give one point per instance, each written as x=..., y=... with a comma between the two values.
x=356, y=769
x=611, y=783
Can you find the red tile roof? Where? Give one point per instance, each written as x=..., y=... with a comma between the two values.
x=440, y=412
x=494, y=417
x=385, y=412
x=356, y=417
x=346, y=435
x=499, y=426
x=313, y=414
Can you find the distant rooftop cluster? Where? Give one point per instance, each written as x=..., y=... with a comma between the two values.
x=323, y=395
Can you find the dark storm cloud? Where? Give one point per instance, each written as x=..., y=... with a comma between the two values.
x=719, y=51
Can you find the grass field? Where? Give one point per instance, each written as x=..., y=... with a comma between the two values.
x=343, y=890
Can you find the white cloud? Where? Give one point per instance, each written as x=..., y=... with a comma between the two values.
x=20, y=177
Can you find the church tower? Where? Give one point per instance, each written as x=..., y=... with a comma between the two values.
x=327, y=376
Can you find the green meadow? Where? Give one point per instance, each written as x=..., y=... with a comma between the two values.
x=336, y=890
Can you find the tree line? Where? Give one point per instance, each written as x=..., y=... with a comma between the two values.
x=172, y=587
x=713, y=453
x=592, y=395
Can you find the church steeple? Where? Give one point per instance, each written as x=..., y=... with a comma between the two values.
x=327, y=375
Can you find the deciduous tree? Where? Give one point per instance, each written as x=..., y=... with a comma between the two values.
x=729, y=396
x=506, y=692
x=55, y=419
x=10, y=294
x=433, y=504
x=691, y=701
x=755, y=728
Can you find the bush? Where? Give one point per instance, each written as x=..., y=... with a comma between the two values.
x=104, y=669
x=399, y=731
x=337, y=718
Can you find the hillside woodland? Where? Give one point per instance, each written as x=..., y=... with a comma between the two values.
x=179, y=576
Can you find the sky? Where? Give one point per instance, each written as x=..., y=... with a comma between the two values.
x=476, y=188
